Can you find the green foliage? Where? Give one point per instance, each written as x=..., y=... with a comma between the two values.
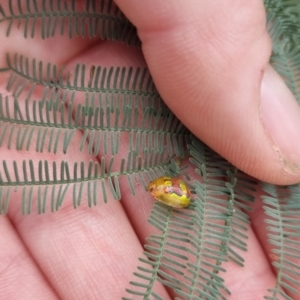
x=193, y=243
x=283, y=24
x=118, y=102
x=281, y=202
x=188, y=250
x=103, y=19
x=282, y=208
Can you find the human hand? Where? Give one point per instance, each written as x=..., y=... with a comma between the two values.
x=91, y=253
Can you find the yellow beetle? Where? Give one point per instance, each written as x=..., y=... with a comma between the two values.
x=170, y=191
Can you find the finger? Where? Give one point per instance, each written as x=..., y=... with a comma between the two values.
x=209, y=61
x=17, y=266
x=255, y=278
x=84, y=254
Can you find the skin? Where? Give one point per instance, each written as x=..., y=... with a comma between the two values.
x=214, y=56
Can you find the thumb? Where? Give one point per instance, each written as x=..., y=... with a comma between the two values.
x=209, y=61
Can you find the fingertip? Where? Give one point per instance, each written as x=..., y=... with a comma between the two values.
x=265, y=141
x=280, y=116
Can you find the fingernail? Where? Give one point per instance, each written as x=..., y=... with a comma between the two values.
x=280, y=116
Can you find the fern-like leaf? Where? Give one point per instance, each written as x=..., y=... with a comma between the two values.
x=42, y=180
x=26, y=73
x=100, y=18
x=193, y=243
x=283, y=26
x=226, y=188
x=282, y=207
x=124, y=101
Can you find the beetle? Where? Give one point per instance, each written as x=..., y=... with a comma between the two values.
x=171, y=191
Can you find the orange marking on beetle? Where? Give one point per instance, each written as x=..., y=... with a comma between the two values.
x=171, y=191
